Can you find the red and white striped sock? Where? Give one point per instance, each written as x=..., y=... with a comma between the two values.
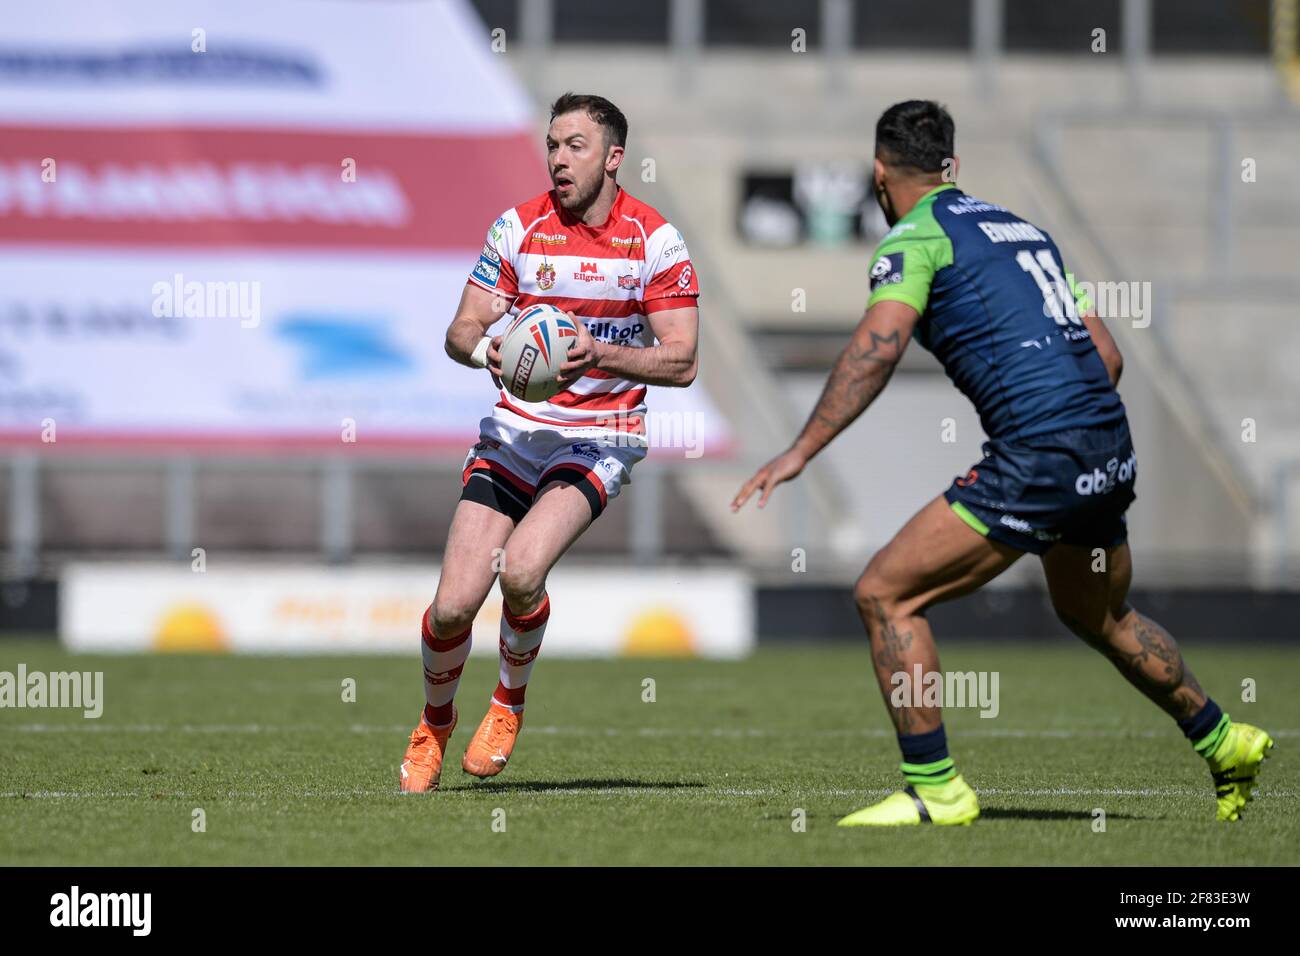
x=521, y=639
x=444, y=659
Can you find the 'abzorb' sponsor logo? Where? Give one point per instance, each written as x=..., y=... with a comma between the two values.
x=1104, y=482
x=887, y=270
x=523, y=371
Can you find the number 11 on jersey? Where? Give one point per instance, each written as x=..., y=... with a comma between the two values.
x=1056, y=291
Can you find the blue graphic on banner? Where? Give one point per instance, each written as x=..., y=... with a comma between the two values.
x=338, y=347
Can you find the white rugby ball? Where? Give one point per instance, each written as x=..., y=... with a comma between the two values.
x=533, y=347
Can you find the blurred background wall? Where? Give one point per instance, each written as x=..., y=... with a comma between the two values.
x=1157, y=141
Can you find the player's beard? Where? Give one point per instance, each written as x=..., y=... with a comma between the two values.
x=584, y=194
x=886, y=206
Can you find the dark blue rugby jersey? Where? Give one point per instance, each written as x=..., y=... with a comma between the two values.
x=999, y=312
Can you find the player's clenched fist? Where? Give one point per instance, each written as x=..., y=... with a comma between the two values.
x=583, y=355
x=781, y=468
x=494, y=356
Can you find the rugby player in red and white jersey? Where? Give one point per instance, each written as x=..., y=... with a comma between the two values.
x=543, y=471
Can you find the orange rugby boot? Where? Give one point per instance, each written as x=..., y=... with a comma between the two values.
x=488, y=752
x=422, y=766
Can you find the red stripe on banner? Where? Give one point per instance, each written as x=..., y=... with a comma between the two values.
x=204, y=186
x=77, y=441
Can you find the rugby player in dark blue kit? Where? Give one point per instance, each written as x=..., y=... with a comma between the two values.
x=988, y=295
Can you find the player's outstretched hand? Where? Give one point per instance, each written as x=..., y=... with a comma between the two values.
x=583, y=355
x=781, y=468
x=494, y=357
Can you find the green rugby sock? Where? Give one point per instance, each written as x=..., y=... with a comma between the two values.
x=935, y=772
x=1206, y=728
x=1207, y=745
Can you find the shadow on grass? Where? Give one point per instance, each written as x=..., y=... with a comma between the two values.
x=545, y=786
x=995, y=813
x=1016, y=813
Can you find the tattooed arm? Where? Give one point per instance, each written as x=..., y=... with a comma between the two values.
x=860, y=374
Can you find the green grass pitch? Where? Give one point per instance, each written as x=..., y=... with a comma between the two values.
x=711, y=772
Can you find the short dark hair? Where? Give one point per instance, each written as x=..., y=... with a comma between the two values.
x=917, y=134
x=602, y=112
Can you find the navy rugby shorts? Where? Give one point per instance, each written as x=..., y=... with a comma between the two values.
x=1072, y=486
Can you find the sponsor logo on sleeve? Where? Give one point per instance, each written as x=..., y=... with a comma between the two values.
x=887, y=270
x=490, y=254
x=487, y=271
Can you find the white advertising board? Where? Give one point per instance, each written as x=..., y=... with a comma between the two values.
x=280, y=609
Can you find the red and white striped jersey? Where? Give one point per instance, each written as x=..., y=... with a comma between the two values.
x=611, y=277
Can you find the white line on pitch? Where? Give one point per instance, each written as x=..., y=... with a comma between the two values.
x=651, y=790
x=755, y=732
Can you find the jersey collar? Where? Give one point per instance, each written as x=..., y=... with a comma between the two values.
x=924, y=202
x=935, y=191
x=593, y=232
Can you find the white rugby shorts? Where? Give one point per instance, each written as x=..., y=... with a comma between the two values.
x=515, y=458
